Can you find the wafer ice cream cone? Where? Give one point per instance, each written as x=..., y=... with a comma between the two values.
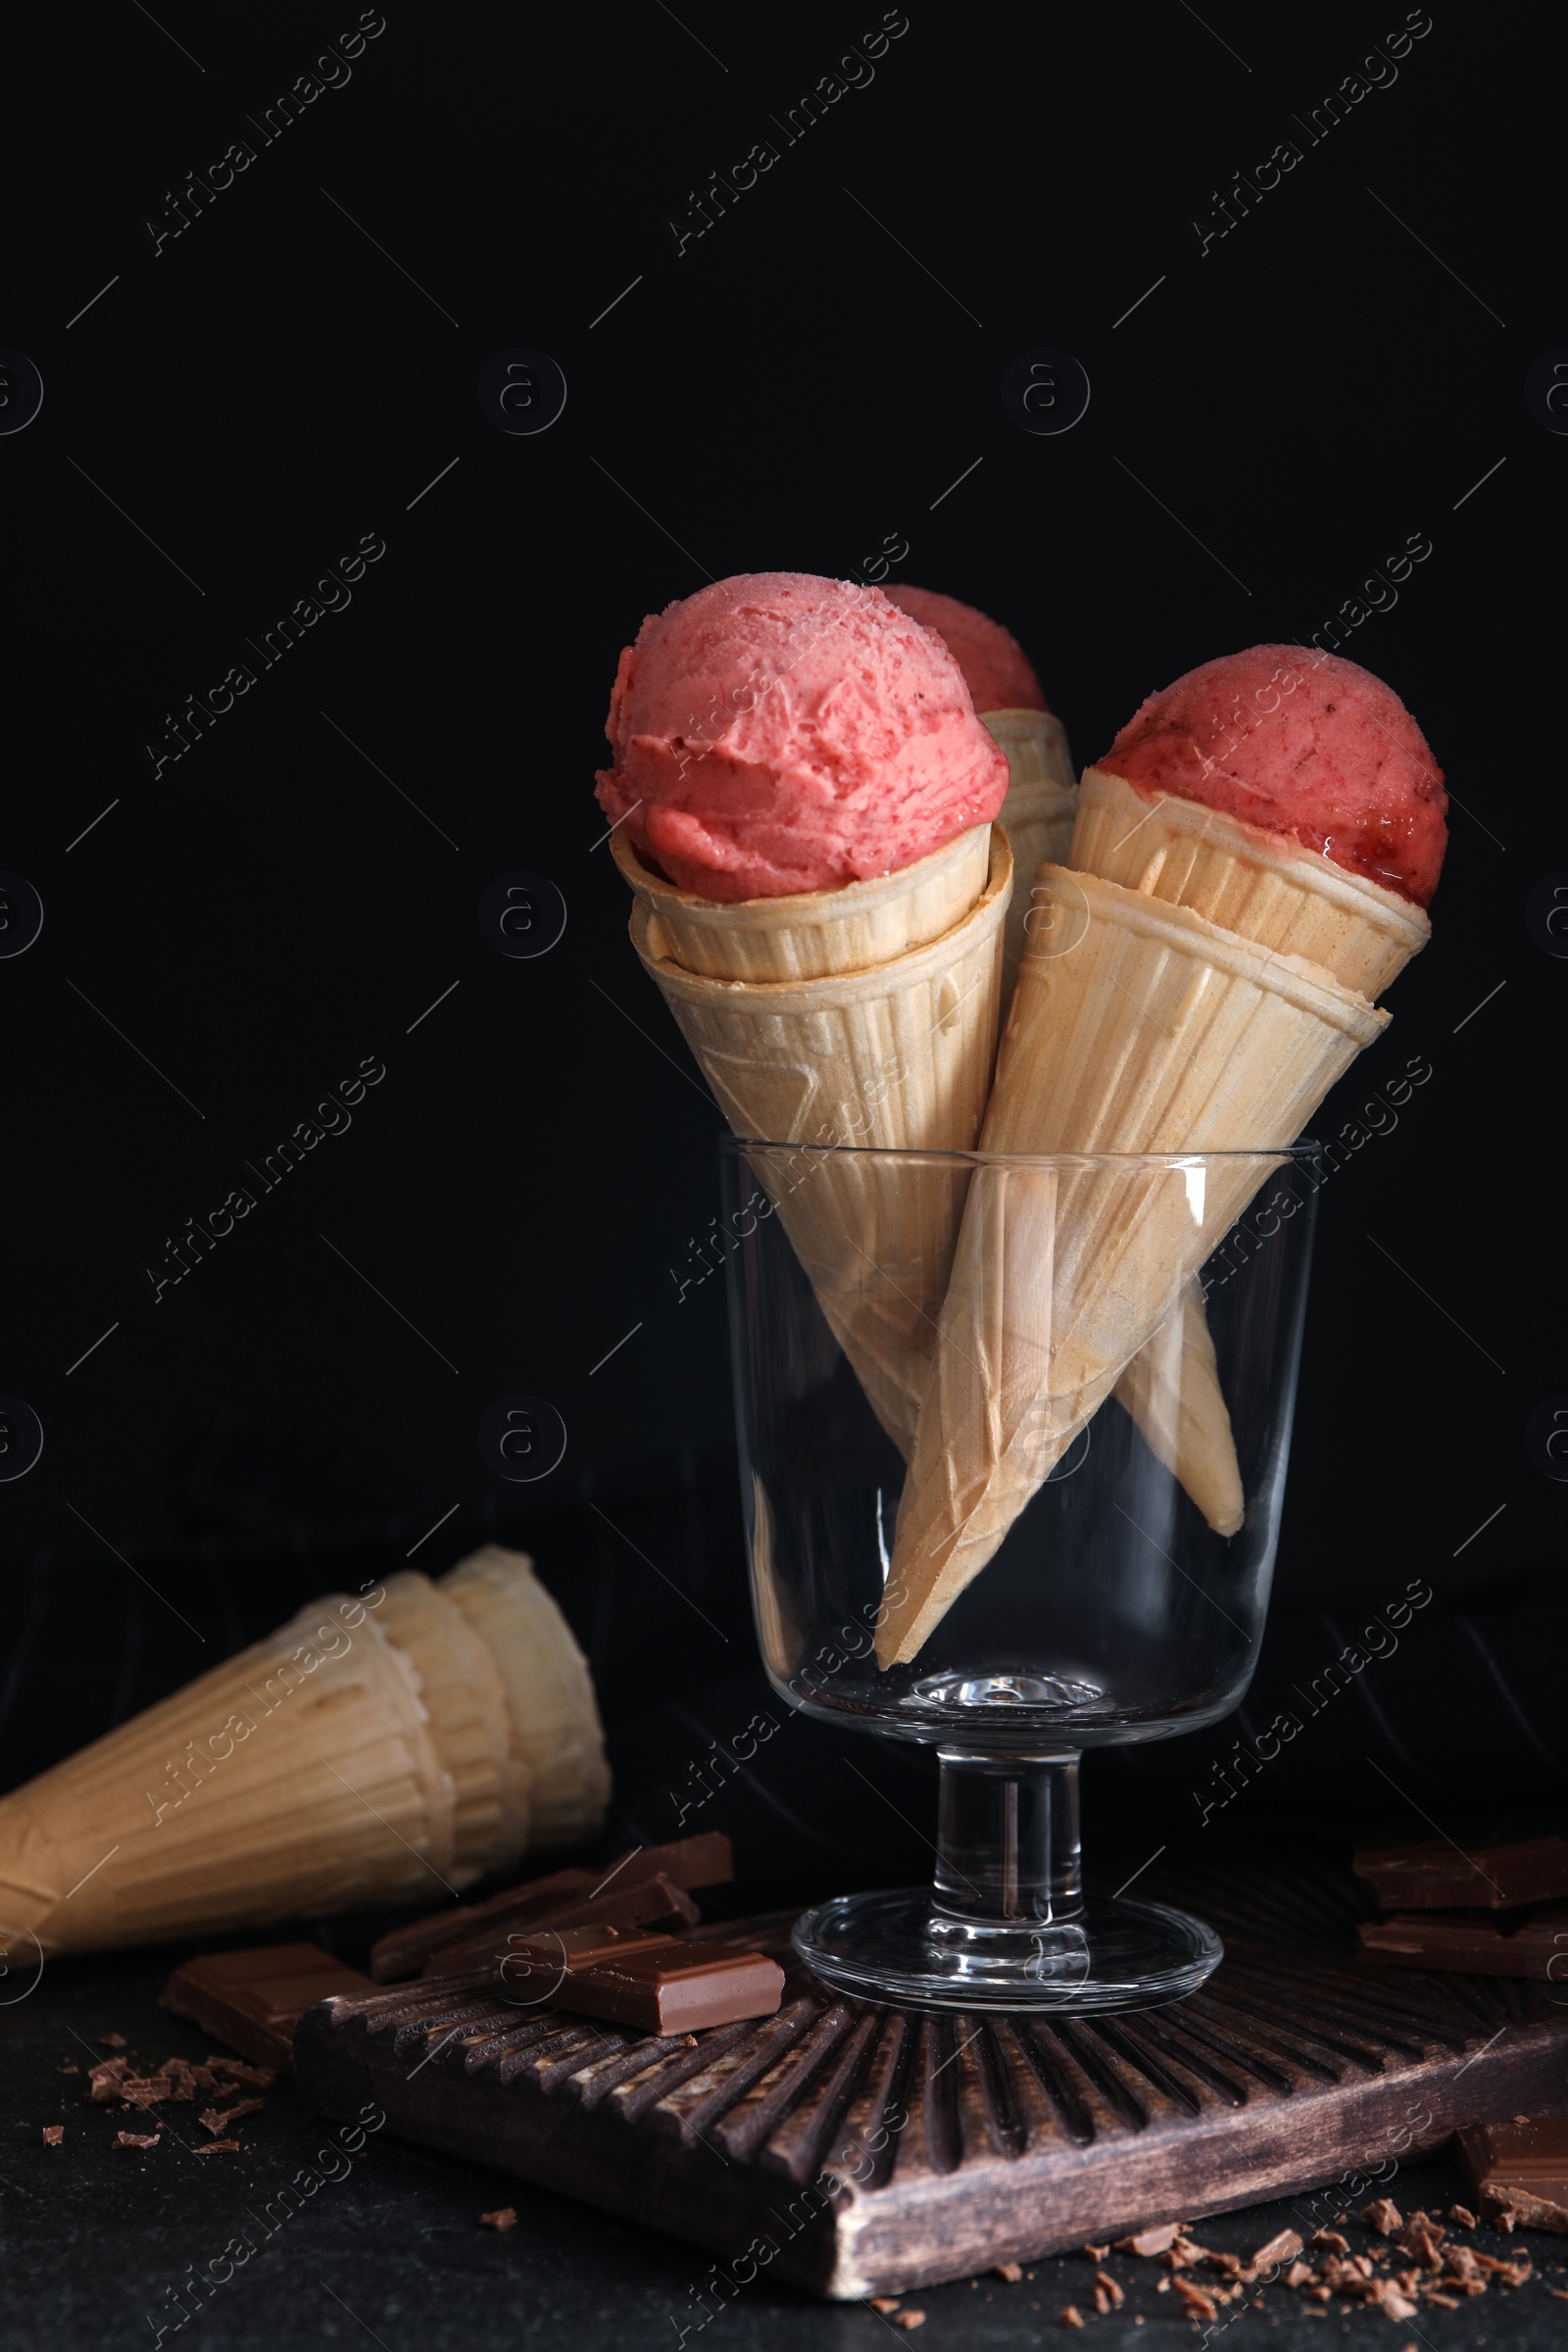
x=367, y=1752
x=1154, y=1031
x=1188, y=1425
x=300, y=1776
x=895, y=1055
x=556, y=1741
x=465, y=1698
x=819, y=895
x=1142, y=1025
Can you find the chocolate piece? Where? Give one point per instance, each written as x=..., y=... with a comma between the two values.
x=1434, y=1876
x=654, y=1983
x=537, y=1966
x=1472, y=1942
x=1520, y=2171
x=624, y=1910
x=699, y=1861
x=253, y=1999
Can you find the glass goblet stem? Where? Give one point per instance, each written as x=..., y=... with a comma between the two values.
x=1007, y=1838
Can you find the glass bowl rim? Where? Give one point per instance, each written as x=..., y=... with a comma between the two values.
x=1297, y=1153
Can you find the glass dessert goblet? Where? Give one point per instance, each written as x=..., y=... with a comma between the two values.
x=1013, y=1434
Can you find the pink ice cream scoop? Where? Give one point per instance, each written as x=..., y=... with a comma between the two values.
x=1302, y=744
x=778, y=733
x=996, y=669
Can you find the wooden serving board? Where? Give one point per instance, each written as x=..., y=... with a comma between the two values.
x=858, y=2150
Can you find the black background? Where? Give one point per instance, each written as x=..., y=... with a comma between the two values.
x=1277, y=417
x=821, y=371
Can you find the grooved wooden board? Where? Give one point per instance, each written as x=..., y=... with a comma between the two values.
x=875, y=2149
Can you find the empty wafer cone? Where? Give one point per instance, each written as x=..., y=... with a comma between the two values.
x=896, y=1052
x=300, y=1776
x=1136, y=1027
x=1037, y=814
x=1263, y=886
x=465, y=1698
x=555, y=1735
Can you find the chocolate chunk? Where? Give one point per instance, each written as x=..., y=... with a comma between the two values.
x=253, y=1999
x=654, y=1983
x=54, y=2135
x=1520, y=2171
x=699, y=1861
x=622, y=1910
x=1283, y=2246
x=1149, y=2242
x=1473, y=1943
x=1434, y=1875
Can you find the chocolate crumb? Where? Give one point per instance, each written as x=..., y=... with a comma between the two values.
x=1071, y=2315
x=1462, y=2215
x=215, y=2118
x=1149, y=2242
x=909, y=2319
x=504, y=2217
x=54, y=2134
x=259, y=2078
x=1383, y=2216
x=1104, y=2282
x=887, y=2303
x=1012, y=2271
x=1097, y=2253
x=112, y=2041
x=1194, y=2298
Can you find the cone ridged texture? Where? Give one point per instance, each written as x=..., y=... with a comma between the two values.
x=1135, y=1027
x=1038, y=813
x=460, y=1687
x=1263, y=886
x=898, y=1055
x=268, y=1787
x=820, y=931
x=340, y=1763
x=556, y=1731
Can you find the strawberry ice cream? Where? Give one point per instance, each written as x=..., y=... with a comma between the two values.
x=1300, y=744
x=996, y=669
x=778, y=733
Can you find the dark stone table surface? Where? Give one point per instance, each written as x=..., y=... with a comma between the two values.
x=389, y=2248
